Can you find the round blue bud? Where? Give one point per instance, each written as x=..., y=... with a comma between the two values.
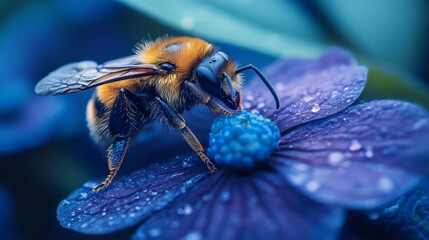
x=242, y=140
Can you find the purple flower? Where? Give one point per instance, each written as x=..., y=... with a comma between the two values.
x=330, y=156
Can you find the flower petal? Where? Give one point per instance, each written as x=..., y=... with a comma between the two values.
x=359, y=158
x=409, y=215
x=229, y=206
x=308, y=89
x=129, y=199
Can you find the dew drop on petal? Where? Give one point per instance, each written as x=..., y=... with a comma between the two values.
x=187, y=209
x=385, y=184
x=247, y=105
x=226, y=195
x=355, y=145
x=312, y=185
x=335, y=157
x=315, y=108
x=308, y=98
x=369, y=153
x=84, y=195
x=297, y=178
x=260, y=105
x=154, y=232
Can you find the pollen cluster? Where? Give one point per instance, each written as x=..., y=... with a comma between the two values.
x=242, y=140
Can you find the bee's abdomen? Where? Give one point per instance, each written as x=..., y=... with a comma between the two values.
x=97, y=120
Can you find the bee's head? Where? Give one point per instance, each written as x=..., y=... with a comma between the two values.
x=217, y=76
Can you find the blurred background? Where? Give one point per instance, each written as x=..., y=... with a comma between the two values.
x=45, y=149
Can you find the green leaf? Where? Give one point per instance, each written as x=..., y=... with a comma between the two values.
x=393, y=83
x=275, y=27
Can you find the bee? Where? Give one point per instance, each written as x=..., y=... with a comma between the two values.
x=159, y=82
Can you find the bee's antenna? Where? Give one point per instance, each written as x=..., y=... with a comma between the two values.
x=264, y=79
x=230, y=85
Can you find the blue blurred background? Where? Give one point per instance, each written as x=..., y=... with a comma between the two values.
x=45, y=149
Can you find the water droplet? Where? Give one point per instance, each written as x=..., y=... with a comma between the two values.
x=132, y=215
x=84, y=195
x=154, y=193
x=187, y=209
x=247, y=104
x=385, y=184
x=280, y=86
x=308, y=98
x=66, y=202
x=355, y=145
x=369, y=153
x=186, y=164
x=103, y=214
x=226, y=195
x=84, y=225
x=315, y=108
x=312, y=186
x=73, y=214
x=260, y=105
x=335, y=157
x=346, y=88
x=154, y=232
x=193, y=236
x=334, y=94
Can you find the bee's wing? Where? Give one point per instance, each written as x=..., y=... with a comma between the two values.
x=75, y=77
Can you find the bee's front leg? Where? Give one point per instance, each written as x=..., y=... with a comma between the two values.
x=208, y=100
x=176, y=120
x=124, y=123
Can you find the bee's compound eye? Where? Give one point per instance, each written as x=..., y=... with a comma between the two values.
x=167, y=66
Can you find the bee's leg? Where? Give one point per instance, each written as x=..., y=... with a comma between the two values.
x=177, y=121
x=124, y=123
x=207, y=100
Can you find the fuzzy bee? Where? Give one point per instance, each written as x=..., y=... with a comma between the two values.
x=160, y=81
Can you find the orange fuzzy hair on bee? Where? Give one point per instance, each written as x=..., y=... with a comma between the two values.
x=184, y=52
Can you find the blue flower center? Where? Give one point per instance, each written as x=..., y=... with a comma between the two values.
x=242, y=140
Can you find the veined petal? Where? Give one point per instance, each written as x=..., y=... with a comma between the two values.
x=229, y=206
x=360, y=158
x=309, y=89
x=129, y=199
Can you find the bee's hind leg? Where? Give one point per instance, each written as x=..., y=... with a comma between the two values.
x=115, y=155
x=177, y=121
x=124, y=124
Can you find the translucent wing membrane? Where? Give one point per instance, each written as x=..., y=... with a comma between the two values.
x=75, y=77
